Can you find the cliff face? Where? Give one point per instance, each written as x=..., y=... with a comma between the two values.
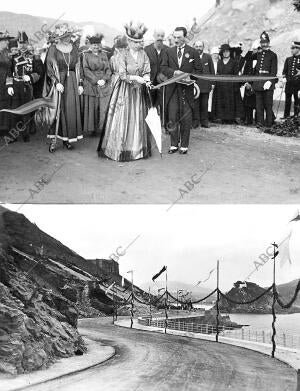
x=44, y=288
x=244, y=20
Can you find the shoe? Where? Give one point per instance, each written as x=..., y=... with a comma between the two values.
x=93, y=134
x=67, y=145
x=205, y=126
x=196, y=124
x=183, y=151
x=172, y=150
x=26, y=138
x=52, y=146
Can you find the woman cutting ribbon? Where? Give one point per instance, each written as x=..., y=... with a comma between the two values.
x=126, y=134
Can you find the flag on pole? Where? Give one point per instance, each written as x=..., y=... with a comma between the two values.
x=284, y=250
x=210, y=273
x=159, y=273
x=297, y=217
x=109, y=288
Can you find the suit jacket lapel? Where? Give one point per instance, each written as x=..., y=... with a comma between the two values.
x=175, y=55
x=183, y=56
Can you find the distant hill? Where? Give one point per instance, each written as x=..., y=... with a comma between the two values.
x=287, y=291
x=35, y=25
x=248, y=292
x=245, y=20
x=198, y=292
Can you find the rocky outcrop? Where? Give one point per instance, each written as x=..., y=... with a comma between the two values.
x=44, y=288
x=36, y=325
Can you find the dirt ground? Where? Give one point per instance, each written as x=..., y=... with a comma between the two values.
x=225, y=164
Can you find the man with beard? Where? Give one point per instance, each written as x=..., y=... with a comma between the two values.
x=200, y=112
x=177, y=60
x=155, y=53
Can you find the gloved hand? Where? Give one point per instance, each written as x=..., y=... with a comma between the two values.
x=10, y=91
x=149, y=84
x=267, y=85
x=101, y=83
x=80, y=90
x=139, y=79
x=247, y=86
x=26, y=78
x=60, y=87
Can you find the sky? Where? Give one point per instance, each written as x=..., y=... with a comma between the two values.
x=156, y=13
x=188, y=239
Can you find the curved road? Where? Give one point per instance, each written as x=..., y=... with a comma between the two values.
x=147, y=361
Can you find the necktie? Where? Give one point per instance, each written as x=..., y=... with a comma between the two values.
x=179, y=53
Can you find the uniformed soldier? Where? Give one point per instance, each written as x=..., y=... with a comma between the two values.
x=27, y=70
x=290, y=69
x=267, y=64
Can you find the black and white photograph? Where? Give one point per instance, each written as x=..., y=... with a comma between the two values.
x=150, y=195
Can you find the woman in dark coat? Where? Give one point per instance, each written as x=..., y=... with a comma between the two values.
x=5, y=82
x=227, y=101
x=96, y=85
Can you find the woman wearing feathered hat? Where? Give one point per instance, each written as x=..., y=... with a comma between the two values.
x=96, y=85
x=63, y=69
x=126, y=134
x=6, y=81
x=227, y=105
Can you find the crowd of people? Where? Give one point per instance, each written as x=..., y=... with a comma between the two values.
x=107, y=92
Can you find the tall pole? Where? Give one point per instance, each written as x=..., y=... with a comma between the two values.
x=113, y=305
x=177, y=302
x=150, y=314
x=275, y=253
x=218, y=298
x=116, y=307
x=166, y=302
x=132, y=301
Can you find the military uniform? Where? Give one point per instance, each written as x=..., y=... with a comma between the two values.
x=291, y=66
x=24, y=63
x=267, y=64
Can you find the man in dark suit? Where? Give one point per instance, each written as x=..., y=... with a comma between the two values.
x=155, y=53
x=200, y=112
x=180, y=97
x=264, y=90
x=292, y=88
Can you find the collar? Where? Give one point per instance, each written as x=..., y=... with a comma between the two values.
x=180, y=47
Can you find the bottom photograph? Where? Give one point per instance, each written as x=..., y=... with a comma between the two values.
x=145, y=297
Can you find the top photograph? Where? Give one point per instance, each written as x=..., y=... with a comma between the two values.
x=150, y=103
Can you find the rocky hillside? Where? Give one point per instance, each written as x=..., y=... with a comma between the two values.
x=34, y=26
x=44, y=288
x=287, y=291
x=247, y=292
x=244, y=20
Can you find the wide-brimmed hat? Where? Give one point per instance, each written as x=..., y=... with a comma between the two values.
x=5, y=36
x=63, y=30
x=224, y=47
x=95, y=38
x=135, y=32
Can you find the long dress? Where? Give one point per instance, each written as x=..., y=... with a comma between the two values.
x=96, y=99
x=127, y=136
x=70, y=126
x=5, y=99
x=227, y=103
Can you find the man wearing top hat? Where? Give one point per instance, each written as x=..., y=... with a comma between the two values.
x=267, y=64
x=27, y=70
x=177, y=60
x=290, y=69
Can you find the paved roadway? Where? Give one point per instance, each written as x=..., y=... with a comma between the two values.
x=147, y=361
